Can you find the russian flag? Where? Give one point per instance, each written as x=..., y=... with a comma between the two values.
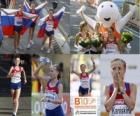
x=7, y=23
x=26, y=6
x=57, y=17
x=40, y=7
x=1, y=32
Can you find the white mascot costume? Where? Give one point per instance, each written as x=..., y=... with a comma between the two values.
x=108, y=17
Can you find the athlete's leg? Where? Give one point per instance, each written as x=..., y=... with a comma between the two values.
x=44, y=41
x=16, y=100
x=50, y=41
x=18, y=40
x=31, y=34
x=15, y=40
x=13, y=97
x=79, y=92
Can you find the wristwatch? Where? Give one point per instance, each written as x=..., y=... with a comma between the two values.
x=122, y=91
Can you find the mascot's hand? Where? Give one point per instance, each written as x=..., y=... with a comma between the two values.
x=83, y=8
x=133, y=9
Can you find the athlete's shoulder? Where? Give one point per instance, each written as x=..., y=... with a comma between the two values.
x=60, y=85
x=133, y=86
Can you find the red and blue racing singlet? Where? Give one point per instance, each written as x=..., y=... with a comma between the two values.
x=52, y=94
x=84, y=79
x=119, y=107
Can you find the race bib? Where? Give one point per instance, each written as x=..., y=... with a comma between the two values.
x=16, y=78
x=85, y=83
x=111, y=48
x=120, y=109
x=49, y=26
x=51, y=96
x=18, y=21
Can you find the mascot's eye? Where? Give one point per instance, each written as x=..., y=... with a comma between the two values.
x=111, y=5
x=102, y=6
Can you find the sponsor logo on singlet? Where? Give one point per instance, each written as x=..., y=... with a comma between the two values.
x=84, y=79
x=120, y=109
x=111, y=48
x=49, y=25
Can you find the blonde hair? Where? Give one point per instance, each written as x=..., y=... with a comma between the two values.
x=121, y=60
x=82, y=25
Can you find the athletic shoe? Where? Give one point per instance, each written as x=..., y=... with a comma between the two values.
x=13, y=114
x=31, y=42
x=42, y=48
x=16, y=51
x=28, y=46
x=49, y=50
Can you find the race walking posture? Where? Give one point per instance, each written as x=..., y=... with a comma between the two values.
x=15, y=75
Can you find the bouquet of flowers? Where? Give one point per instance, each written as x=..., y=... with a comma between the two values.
x=96, y=41
x=126, y=37
x=85, y=43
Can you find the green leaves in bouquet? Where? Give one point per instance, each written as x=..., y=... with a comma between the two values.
x=126, y=37
x=85, y=43
x=96, y=41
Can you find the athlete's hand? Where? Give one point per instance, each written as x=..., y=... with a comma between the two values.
x=42, y=99
x=92, y=58
x=116, y=80
x=25, y=81
x=120, y=83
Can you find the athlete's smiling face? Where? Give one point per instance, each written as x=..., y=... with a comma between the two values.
x=17, y=61
x=32, y=6
x=20, y=8
x=50, y=13
x=53, y=73
x=83, y=68
x=118, y=69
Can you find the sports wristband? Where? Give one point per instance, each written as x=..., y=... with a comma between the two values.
x=122, y=92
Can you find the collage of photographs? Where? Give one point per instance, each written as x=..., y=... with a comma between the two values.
x=69, y=57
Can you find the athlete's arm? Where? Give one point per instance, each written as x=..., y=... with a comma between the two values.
x=8, y=13
x=24, y=76
x=92, y=59
x=36, y=72
x=41, y=6
x=60, y=96
x=29, y=15
x=130, y=100
x=10, y=73
x=77, y=38
x=78, y=74
x=109, y=101
x=90, y=21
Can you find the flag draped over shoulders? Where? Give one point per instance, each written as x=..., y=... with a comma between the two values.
x=27, y=8
x=1, y=32
x=42, y=22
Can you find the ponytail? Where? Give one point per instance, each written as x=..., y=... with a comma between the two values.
x=59, y=68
